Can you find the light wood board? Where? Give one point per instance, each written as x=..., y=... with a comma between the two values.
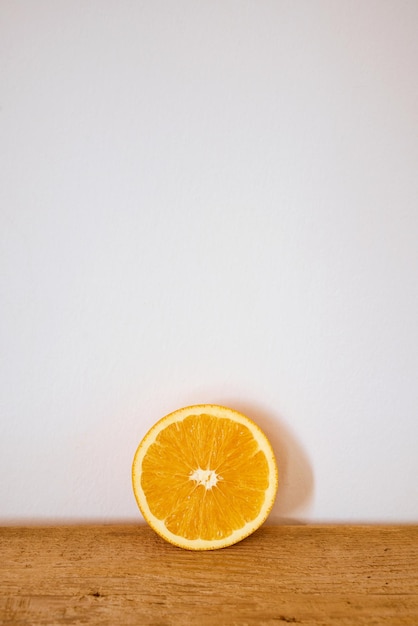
x=125, y=574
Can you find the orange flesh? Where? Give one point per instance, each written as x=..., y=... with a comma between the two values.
x=204, y=442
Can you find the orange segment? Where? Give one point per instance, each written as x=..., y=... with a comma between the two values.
x=205, y=477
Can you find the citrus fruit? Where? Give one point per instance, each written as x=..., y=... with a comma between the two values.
x=205, y=477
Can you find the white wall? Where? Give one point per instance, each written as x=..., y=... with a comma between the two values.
x=209, y=201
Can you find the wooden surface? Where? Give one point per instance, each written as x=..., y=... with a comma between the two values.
x=122, y=575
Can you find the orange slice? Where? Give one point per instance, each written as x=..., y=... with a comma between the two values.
x=205, y=477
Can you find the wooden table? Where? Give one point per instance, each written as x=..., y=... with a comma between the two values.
x=125, y=574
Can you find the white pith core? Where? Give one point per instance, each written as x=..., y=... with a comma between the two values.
x=207, y=478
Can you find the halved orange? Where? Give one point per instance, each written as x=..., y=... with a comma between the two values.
x=205, y=477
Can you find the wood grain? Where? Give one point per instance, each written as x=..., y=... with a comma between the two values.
x=125, y=574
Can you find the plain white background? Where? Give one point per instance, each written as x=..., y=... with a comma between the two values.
x=209, y=201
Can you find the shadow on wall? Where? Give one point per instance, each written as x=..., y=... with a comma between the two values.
x=296, y=482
